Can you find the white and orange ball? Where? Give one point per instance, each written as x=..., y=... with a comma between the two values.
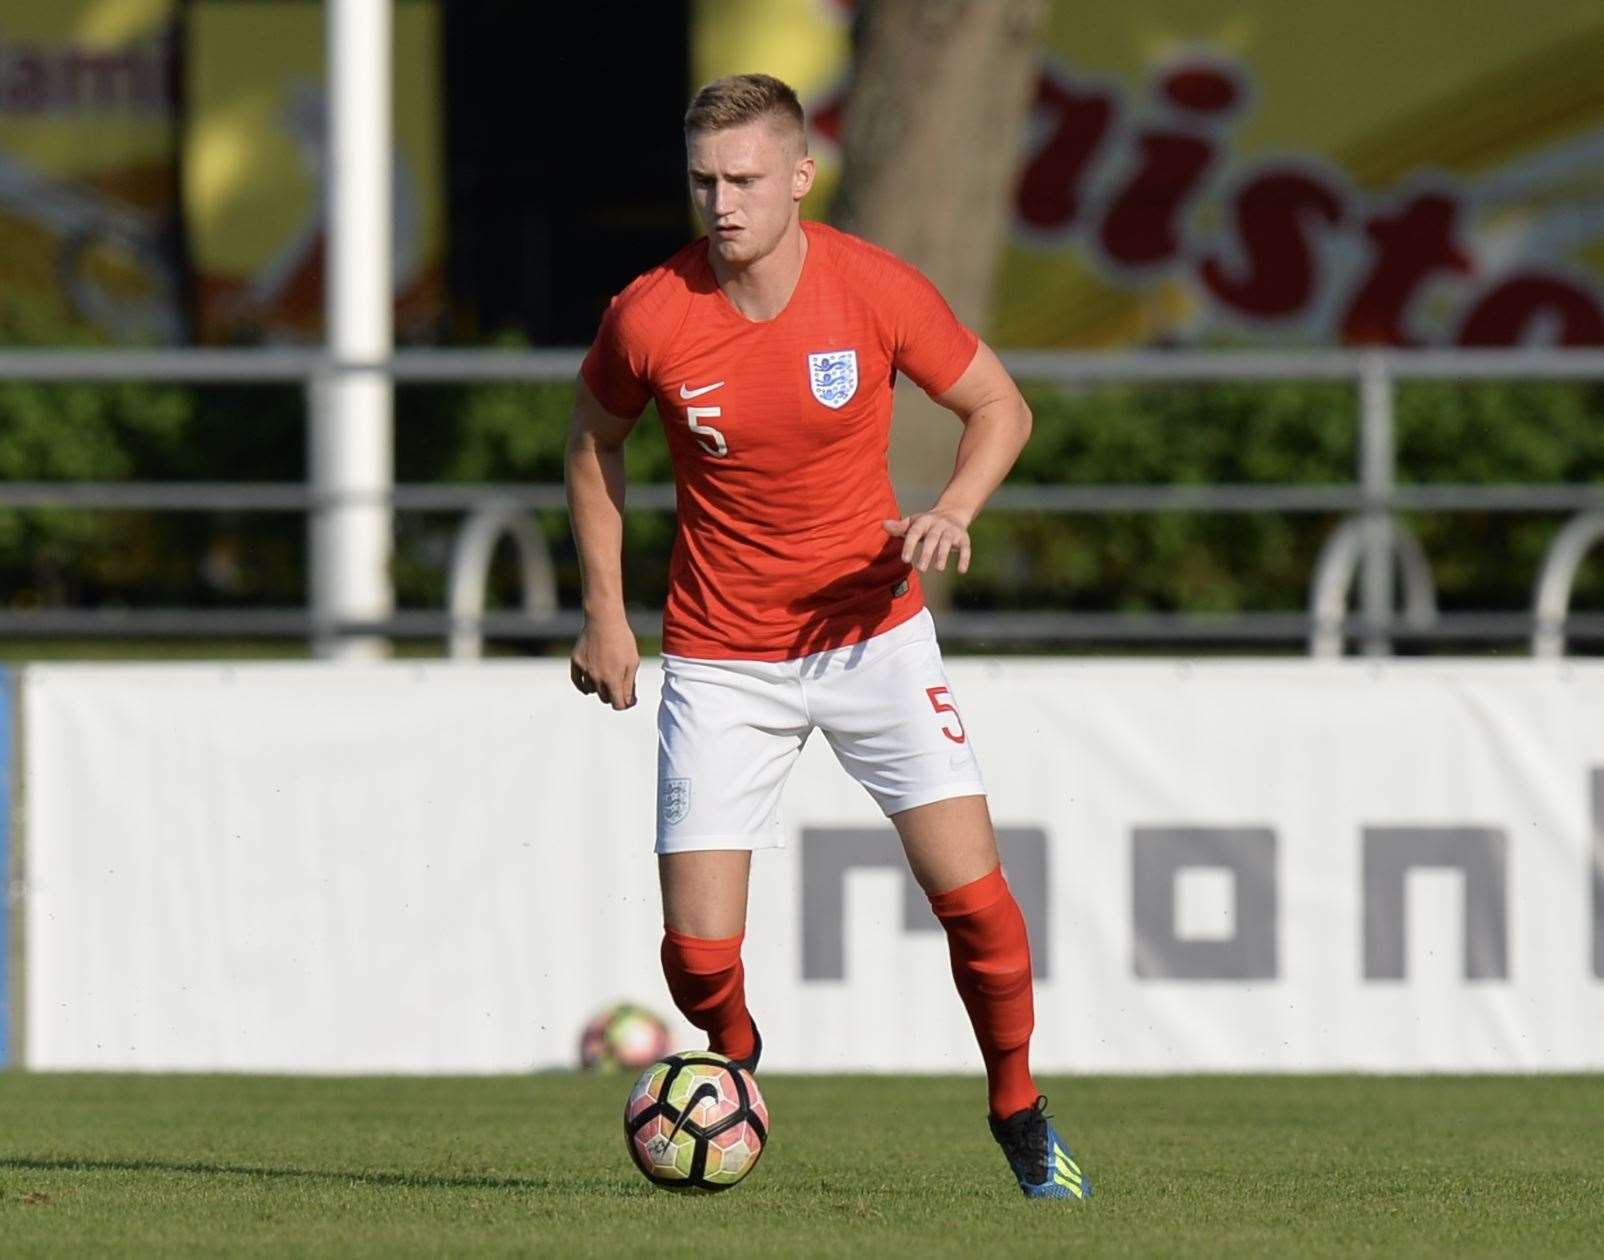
x=695, y=1121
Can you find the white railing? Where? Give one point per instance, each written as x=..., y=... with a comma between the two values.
x=1367, y=544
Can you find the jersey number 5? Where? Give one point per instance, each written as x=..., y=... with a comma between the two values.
x=710, y=438
x=935, y=694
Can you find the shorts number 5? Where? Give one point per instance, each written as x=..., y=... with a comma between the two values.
x=935, y=694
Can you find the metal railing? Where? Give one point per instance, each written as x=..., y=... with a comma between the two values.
x=1369, y=544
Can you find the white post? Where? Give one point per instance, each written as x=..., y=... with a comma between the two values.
x=1376, y=474
x=350, y=440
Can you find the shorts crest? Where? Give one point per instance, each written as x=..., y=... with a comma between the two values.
x=674, y=800
x=833, y=376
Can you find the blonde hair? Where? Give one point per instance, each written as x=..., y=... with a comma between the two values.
x=738, y=99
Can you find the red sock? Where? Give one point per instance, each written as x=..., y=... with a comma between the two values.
x=709, y=987
x=991, y=964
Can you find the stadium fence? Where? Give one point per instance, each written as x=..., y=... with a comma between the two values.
x=1370, y=544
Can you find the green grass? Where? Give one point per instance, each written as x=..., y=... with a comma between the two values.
x=858, y=1165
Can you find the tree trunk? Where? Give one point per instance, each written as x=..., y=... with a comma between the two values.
x=931, y=139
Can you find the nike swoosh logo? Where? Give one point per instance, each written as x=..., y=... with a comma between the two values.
x=697, y=393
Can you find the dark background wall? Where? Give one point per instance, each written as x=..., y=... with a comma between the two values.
x=565, y=161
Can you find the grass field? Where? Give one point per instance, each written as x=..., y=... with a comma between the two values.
x=857, y=1165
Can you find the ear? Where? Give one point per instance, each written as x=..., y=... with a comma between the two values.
x=802, y=178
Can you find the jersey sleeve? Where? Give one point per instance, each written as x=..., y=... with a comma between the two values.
x=931, y=346
x=615, y=367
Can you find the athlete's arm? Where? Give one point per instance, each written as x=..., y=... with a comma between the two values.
x=605, y=656
x=996, y=427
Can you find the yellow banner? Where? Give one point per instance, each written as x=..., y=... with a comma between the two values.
x=88, y=174
x=1197, y=172
x=253, y=154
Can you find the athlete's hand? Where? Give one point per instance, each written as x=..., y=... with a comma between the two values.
x=604, y=661
x=932, y=535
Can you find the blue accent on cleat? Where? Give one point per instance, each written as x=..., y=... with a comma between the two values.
x=1041, y=1161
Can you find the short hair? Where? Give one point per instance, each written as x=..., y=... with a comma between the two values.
x=738, y=99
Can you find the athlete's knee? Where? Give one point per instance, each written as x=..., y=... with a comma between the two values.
x=704, y=892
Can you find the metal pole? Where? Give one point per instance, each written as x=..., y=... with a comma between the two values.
x=1376, y=471
x=350, y=436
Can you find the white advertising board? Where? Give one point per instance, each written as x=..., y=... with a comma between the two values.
x=1255, y=866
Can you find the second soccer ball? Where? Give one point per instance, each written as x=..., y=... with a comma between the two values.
x=623, y=1036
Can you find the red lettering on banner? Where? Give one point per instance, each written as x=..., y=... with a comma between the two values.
x=1142, y=224
x=1048, y=194
x=26, y=86
x=1278, y=215
x=71, y=79
x=1411, y=246
x=1512, y=311
x=1203, y=89
x=1273, y=212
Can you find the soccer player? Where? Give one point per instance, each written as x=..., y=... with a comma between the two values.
x=771, y=346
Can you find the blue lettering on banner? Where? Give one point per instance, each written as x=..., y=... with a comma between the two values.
x=5, y=868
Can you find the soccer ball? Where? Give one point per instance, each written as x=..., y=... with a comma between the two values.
x=625, y=1036
x=695, y=1121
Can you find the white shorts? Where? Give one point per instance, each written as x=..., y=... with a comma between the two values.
x=728, y=733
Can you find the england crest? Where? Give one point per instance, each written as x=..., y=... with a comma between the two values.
x=674, y=800
x=833, y=376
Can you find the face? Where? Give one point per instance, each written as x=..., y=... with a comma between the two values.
x=746, y=182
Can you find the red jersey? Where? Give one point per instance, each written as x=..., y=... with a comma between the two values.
x=778, y=432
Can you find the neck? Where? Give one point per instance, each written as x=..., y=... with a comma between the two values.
x=761, y=288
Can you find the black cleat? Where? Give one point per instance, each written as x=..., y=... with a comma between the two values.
x=750, y=1062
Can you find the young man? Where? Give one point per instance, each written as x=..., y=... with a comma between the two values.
x=771, y=347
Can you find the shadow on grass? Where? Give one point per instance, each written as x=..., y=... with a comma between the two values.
x=411, y=1180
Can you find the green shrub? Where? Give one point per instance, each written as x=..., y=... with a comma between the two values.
x=1160, y=434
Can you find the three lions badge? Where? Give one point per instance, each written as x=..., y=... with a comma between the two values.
x=833, y=376
x=674, y=799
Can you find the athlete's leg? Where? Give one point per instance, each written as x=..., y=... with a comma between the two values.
x=891, y=718
x=704, y=922
x=704, y=892
x=888, y=710
x=728, y=735
x=953, y=853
